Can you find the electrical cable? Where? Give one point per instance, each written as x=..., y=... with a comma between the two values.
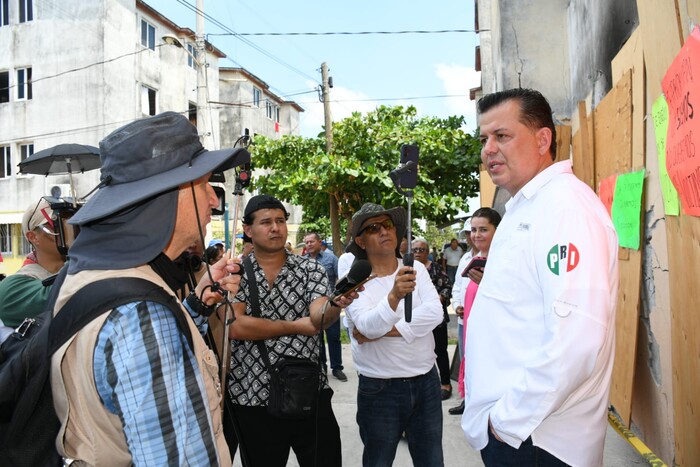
x=351, y=33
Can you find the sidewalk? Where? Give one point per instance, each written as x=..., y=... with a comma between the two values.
x=618, y=453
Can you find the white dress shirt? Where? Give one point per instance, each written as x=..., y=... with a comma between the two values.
x=541, y=335
x=413, y=353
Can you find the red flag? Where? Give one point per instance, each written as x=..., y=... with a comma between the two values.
x=277, y=127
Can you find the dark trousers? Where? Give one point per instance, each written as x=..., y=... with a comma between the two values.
x=334, y=347
x=443, y=359
x=500, y=454
x=265, y=441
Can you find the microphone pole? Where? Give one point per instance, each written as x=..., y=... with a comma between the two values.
x=408, y=261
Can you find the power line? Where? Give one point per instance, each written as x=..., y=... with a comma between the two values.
x=231, y=32
x=352, y=33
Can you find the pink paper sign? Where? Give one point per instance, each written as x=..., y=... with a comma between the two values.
x=681, y=86
x=606, y=190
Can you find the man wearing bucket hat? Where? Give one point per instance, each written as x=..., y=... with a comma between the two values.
x=129, y=388
x=399, y=388
x=23, y=295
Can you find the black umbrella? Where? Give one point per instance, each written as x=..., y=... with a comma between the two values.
x=62, y=159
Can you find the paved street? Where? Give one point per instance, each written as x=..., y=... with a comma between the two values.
x=618, y=453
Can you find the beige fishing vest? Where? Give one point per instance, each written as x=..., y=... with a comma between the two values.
x=89, y=432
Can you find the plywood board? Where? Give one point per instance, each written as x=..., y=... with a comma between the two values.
x=631, y=58
x=613, y=155
x=684, y=269
x=661, y=38
x=486, y=187
x=583, y=148
x=689, y=16
x=563, y=142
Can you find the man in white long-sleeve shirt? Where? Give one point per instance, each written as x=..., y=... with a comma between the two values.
x=541, y=335
x=399, y=388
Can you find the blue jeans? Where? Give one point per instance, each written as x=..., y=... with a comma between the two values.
x=334, y=347
x=386, y=408
x=500, y=454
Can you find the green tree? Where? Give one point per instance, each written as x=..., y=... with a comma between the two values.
x=366, y=147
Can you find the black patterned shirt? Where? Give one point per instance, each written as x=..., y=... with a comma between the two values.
x=299, y=282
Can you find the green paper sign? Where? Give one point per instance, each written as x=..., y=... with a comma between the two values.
x=627, y=208
x=668, y=191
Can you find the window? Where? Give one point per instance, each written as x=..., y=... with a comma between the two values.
x=6, y=239
x=6, y=161
x=272, y=111
x=4, y=86
x=148, y=35
x=4, y=12
x=148, y=100
x=192, y=113
x=26, y=10
x=257, y=94
x=24, y=83
x=25, y=150
x=191, y=55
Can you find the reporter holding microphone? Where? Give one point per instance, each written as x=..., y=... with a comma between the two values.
x=399, y=387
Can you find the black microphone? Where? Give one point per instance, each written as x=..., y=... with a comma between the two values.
x=359, y=273
x=408, y=298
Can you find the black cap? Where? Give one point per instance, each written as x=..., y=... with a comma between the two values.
x=259, y=202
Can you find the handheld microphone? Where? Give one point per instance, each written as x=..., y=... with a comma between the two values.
x=360, y=272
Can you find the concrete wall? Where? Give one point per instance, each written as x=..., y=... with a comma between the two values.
x=597, y=31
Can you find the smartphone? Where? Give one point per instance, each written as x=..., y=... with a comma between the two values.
x=476, y=262
x=409, y=178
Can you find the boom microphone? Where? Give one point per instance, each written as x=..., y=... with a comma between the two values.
x=359, y=273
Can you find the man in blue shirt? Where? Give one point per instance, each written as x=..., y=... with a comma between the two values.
x=129, y=388
x=329, y=261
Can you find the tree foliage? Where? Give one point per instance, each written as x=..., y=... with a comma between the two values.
x=366, y=147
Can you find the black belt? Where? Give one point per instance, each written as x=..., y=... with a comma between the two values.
x=405, y=378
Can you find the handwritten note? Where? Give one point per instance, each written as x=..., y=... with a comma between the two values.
x=627, y=208
x=606, y=191
x=668, y=191
x=681, y=86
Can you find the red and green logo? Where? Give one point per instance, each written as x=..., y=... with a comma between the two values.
x=562, y=258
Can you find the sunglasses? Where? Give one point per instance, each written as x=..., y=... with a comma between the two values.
x=374, y=227
x=419, y=250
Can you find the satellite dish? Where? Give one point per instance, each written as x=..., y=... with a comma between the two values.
x=55, y=191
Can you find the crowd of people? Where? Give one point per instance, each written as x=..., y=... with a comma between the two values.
x=534, y=294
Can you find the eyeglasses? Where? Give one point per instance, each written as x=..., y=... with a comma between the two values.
x=419, y=250
x=374, y=227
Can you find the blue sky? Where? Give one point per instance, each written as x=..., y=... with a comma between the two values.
x=366, y=69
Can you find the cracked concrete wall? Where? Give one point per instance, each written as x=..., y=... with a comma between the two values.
x=597, y=31
x=529, y=41
x=652, y=397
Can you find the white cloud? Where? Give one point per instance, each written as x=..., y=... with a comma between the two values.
x=458, y=80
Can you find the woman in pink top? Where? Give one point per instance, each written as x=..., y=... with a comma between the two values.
x=484, y=222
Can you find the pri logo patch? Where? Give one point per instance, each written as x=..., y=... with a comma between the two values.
x=561, y=257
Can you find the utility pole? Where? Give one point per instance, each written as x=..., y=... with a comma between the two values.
x=328, y=122
x=203, y=122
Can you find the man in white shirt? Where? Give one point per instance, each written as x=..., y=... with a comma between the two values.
x=452, y=254
x=399, y=388
x=541, y=335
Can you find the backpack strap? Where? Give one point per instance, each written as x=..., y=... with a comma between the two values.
x=101, y=296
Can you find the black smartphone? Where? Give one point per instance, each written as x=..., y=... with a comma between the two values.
x=476, y=262
x=409, y=178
